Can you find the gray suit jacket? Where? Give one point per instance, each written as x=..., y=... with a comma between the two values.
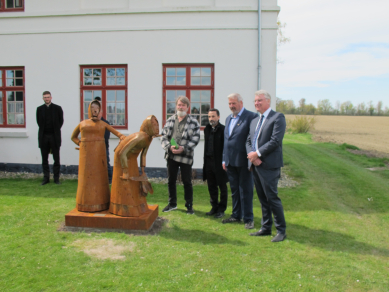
x=269, y=141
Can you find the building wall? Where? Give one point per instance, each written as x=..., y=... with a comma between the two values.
x=53, y=38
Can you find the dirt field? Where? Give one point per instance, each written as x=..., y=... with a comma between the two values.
x=367, y=133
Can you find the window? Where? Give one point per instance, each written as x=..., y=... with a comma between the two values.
x=109, y=82
x=195, y=81
x=12, y=97
x=11, y=5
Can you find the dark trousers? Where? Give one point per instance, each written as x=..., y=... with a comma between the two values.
x=241, y=183
x=47, y=145
x=218, y=206
x=266, y=181
x=186, y=176
x=109, y=167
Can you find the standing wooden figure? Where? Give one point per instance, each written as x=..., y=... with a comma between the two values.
x=129, y=189
x=93, y=187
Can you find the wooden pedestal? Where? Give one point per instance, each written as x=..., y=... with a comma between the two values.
x=106, y=220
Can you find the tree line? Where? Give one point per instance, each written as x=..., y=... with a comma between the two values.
x=324, y=107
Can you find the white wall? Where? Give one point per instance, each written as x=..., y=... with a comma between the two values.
x=52, y=48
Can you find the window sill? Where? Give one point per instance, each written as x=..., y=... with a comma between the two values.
x=13, y=134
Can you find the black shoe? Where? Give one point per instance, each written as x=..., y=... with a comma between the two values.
x=279, y=237
x=169, y=208
x=230, y=220
x=45, y=181
x=57, y=182
x=261, y=233
x=219, y=215
x=249, y=225
x=212, y=212
x=190, y=211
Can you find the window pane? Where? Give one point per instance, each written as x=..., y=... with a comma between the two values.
x=1, y=118
x=10, y=73
x=10, y=96
x=195, y=108
x=195, y=81
x=120, y=94
x=19, y=82
x=170, y=108
x=170, y=80
x=205, y=71
x=1, y=96
x=87, y=72
x=171, y=72
x=111, y=119
x=1, y=79
x=87, y=95
x=96, y=72
x=10, y=82
x=96, y=93
x=120, y=72
x=19, y=73
x=120, y=108
x=206, y=95
x=111, y=95
x=10, y=4
x=195, y=95
x=111, y=108
x=86, y=106
x=204, y=121
x=197, y=118
x=85, y=116
x=19, y=107
x=19, y=119
x=111, y=72
x=10, y=107
x=19, y=95
x=11, y=119
x=87, y=81
x=181, y=81
x=181, y=92
x=120, y=81
x=18, y=3
x=120, y=120
x=170, y=95
x=111, y=81
x=205, y=80
x=195, y=71
x=205, y=108
x=96, y=81
x=181, y=72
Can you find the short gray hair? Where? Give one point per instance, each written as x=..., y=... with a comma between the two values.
x=263, y=92
x=183, y=99
x=235, y=95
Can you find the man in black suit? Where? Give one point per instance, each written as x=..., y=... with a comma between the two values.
x=49, y=118
x=264, y=148
x=213, y=171
x=235, y=161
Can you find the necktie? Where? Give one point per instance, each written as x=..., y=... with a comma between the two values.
x=256, y=134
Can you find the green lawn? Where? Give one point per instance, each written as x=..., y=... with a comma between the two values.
x=337, y=227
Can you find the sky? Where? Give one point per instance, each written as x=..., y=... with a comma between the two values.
x=338, y=50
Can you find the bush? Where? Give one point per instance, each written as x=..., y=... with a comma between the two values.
x=348, y=146
x=301, y=124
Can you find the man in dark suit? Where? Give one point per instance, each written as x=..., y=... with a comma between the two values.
x=264, y=148
x=213, y=171
x=235, y=161
x=49, y=118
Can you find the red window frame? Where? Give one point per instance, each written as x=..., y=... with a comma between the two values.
x=104, y=87
x=187, y=87
x=16, y=9
x=4, y=88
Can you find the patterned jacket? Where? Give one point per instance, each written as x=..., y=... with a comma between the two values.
x=190, y=139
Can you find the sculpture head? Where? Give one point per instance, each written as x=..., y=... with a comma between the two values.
x=94, y=110
x=151, y=126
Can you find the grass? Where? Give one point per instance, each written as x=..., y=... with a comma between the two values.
x=337, y=226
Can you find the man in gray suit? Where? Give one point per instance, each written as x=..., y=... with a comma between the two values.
x=235, y=161
x=264, y=148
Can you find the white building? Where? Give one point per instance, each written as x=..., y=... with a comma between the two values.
x=137, y=55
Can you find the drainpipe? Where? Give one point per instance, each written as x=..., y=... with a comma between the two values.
x=259, y=44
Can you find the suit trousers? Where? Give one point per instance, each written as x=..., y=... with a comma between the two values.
x=266, y=181
x=218, y=206
x=186, y=177
x=241, y=183
x=49, y=144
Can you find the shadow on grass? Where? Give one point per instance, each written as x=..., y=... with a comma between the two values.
x=202, y=236
x=332, y=241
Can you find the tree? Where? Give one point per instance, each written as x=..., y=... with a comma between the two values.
x=379, y=108
x=324, y=107
x=371, y=108
x=302, y=106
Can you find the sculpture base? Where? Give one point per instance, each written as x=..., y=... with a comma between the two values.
x=104, y=219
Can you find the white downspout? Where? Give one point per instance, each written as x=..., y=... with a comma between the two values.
x=259, y=44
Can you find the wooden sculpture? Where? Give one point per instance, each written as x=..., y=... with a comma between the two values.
x=129, y=189
x=93, y=188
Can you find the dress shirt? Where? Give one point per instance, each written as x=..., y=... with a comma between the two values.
x=265, y=114
x=233, y=121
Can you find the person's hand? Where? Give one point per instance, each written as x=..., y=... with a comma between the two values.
x=257, y=162
x=252, y=156
x=178, y=151
x=122, y=137
x=224, y=167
